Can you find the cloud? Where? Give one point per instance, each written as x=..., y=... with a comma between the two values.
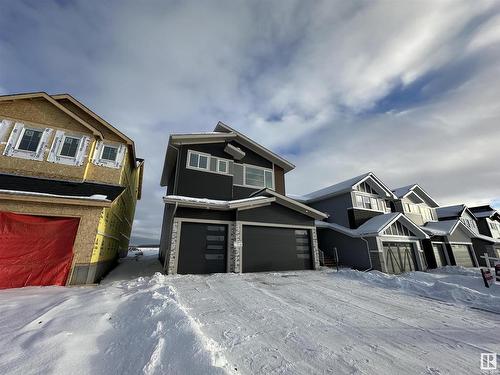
x=409, y=90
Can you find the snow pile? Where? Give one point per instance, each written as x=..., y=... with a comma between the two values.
x=458, y=285
x=128, y=327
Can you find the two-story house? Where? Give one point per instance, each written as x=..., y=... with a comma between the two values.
x=450, y=239
x=362, y=231
x=69, y=182
x=488, y=224
x=226, y=209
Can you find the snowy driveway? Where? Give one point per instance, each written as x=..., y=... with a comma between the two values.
x=318, y=322
x=285, y=323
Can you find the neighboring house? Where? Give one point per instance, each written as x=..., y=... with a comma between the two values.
x=361, y=231
x=488, y=223
x=450, y=238
x=69, y=182
x=226, y=209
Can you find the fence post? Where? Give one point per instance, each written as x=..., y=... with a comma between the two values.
x=336, y=258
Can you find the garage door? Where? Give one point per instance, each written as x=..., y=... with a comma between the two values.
x=275, y=249
x=202, y=249
x=438, y=249
x=35, y=250
x=399, y=257
x=462, y=255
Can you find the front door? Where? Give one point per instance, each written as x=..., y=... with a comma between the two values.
x=399, y=257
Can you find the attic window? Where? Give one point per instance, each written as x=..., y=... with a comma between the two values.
x=109, y=153
x=30, y=140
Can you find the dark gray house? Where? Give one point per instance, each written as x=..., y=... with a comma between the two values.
x=450, y=229
x=362, y=231
x=488, y=224
x=226, y=209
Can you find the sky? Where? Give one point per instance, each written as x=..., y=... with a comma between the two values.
x=409, y=90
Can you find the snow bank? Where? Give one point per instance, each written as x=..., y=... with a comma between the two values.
x=126, y=327
x=458, y=285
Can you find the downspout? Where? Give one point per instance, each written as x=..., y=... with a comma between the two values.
x=369, y=256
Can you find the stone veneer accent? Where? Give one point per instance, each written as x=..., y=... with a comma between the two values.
x=315, y=249
x=172, y=254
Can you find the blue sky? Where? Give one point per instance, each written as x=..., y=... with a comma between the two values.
x=409, y=90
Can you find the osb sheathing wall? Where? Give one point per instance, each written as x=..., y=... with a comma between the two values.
x=87, y=230
x=115, y=223
x=40, y=113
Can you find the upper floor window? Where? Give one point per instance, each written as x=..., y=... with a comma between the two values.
x=109, y=153
x=29, y=140
x=69, y=146
x=258, y=177
x=222, y=166
x=198, y=160
x=372, y=203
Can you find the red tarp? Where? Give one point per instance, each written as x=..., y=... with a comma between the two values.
x=35, y=250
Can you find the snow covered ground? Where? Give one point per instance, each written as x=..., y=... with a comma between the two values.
x=266, y=323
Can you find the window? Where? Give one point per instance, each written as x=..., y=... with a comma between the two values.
x=69, y=146
x=198, y=160
x=222, y=166
x=109, y=153
x=359, y=200
x=30, y=140
x=258, y=177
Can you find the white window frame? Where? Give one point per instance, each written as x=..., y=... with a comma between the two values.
x=378, y=200
x=219, y=161
x=261, y=168
x=188, y=166
x=21, y=138
x=80, y=138
x=102, y=152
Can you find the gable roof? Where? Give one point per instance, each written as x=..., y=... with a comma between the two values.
x=446, y=228
x=221, y=133
x=107, y=125
x=254, y=146
x=454, y=211
x=51, y=100
x=343, y=187
x=484, y=211
x=404, y=191
x=376, y=226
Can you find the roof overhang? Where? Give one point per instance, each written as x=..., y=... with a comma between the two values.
x=381, y=186
x=212, y=204
x=29, y=197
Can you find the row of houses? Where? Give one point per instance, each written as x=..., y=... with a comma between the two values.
x=69, y=183
x=226, y=210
